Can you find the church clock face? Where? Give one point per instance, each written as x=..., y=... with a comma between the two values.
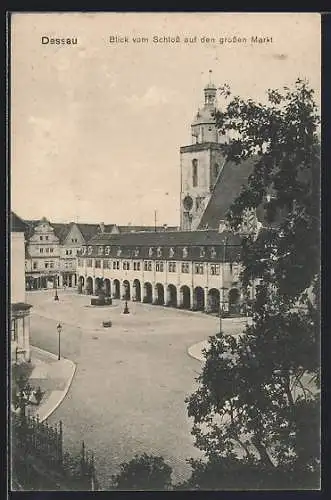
x=187, y=203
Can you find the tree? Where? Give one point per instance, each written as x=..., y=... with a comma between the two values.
x=144, y=472
x=257, y=403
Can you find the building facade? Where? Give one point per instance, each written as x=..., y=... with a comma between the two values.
x=51, y=252
x=20, y=310
x=197, y=270
x=42, y=262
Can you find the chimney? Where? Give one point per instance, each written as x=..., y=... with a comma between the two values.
x=102, y=227
x=222, y=226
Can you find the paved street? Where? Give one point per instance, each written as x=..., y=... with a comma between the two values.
x=128, y=392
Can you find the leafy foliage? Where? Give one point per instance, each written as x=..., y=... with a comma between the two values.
x=257, y=404
x=144, y=472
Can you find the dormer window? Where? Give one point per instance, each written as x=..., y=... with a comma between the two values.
x=119, y=252
x=159, y=252
x=202, y=252
x=212, y=253
x=107, y=250
x=100, y=251
x=136, y=252
x=89, y=250
x=150, y=252
x=185, y=252
x=171, y=252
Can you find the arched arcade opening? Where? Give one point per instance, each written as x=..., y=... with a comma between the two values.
x=199, y=298
x=136, y=292
x=214, y=300
x=81, y=283
x=159, y=294
x=107, y=287
x=89, y=285
x=171, y=296
x=234, y=301
x=148, y=293
x=116, y=289
x=126, y=295
x=185, y=297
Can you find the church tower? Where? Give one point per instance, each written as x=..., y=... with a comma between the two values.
x=201, y=162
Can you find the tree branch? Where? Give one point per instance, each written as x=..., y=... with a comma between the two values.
x=262, y=452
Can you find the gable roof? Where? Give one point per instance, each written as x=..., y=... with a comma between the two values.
x=17, y=225
x=88, y=230
x=228, y=186
x=61, y=230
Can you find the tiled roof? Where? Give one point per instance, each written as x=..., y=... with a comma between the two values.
x=150, y=229
x=61, y=230
x=178, y=245
x=226, y=190
x=17, y=224
x=20, y=306
x=174, y=238
x=89, y=230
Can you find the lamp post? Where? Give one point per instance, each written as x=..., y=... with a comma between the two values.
x=56, y=297
x=223, y=287
x=59, y=330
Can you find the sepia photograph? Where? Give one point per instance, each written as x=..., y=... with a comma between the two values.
x=164, y=251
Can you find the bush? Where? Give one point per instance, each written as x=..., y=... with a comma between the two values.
x=144, y=472
x=21, y=371
x=38, y=394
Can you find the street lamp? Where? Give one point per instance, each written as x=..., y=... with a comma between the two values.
x=221, y=311
x=56, y=297
x=59, y=330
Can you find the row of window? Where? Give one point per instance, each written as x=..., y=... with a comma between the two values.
x=43, y=265
x=45, y=238
x=46, y=250
x=152, y=252
x=198, y=268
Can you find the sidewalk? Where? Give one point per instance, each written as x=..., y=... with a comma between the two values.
x=195, y=351
x=53, y=376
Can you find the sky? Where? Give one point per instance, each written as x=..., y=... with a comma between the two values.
x=96, y=127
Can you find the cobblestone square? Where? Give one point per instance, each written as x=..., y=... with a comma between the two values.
x=128, y=392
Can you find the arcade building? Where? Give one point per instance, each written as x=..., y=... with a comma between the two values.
x=197, y=270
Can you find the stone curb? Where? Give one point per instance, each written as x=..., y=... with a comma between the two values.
x=51, y=410
x=194, y=351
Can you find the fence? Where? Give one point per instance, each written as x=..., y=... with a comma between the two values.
x=42, y=444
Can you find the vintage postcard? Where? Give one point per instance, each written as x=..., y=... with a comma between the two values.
x=164, y=251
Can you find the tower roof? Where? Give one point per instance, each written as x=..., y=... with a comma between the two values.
x=210, y=86
x=204, y=116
